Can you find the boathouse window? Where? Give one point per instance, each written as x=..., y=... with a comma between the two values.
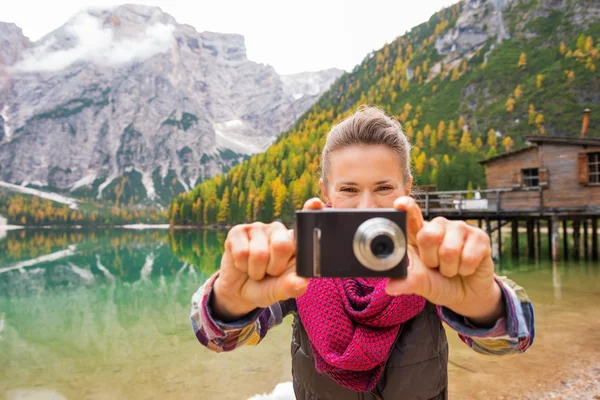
x=530, y=177
x=594, y=168
x=588, y=168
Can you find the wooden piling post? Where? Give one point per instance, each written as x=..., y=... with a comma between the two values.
x=555, y=238
x=539, y=239
x=514, y=238
x=550, y=232
x=576, y=240
x=585, y=239
x=499, y=239
x=565, y=240
x=530, y=240
x=595, y=239
x=479, y=223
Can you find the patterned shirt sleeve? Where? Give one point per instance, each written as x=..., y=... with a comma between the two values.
x=220, y=336
x=513, y=333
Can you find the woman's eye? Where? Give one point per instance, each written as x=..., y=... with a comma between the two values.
x=348, y=189
x=382, y=188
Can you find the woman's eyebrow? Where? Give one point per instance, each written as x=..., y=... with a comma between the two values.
x=351, y=183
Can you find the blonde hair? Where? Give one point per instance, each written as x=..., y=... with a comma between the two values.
x=369, y=125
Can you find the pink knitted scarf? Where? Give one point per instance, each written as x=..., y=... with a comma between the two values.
x=352, y=325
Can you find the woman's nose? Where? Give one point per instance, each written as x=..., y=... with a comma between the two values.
x=367, y=200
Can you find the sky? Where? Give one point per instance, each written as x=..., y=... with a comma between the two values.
x=292, y=36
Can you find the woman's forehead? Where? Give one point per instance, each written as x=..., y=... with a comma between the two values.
x=367, y=163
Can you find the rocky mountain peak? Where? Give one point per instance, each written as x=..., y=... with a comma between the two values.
x=12, y=43
x=127, y=92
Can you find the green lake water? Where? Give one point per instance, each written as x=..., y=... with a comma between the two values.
x=105, y=315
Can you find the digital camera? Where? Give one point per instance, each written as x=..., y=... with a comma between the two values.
x=351, y=243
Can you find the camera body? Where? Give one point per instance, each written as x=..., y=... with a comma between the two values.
x=351, y=243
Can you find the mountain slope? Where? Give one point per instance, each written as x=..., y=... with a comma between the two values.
x=125, y=103
x=465, y=85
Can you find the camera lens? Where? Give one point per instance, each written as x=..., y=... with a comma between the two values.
x=382, y=246
x=379, y=244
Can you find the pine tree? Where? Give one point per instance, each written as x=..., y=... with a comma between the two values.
x=510, y=104
x=491, y=139
x=224, y=214
x=508, y=143
x=466, y=145
x=452, y=134
x=531, y=115
x=440, y=131
x=518, y=91
x=538, y=80
x=522, y=61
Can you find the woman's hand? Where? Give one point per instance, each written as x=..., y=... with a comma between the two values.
x=450, y=265
x=258, y=268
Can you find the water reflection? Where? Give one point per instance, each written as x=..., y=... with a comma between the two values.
x=104, y=314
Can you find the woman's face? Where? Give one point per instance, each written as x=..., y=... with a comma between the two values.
x=364, y=177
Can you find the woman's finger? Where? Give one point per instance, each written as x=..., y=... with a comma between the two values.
x=258, y=256
x=451, y=249
x=281, y=249
x=237, y=245
x=313, y=204
x=414, y=217
x=429, y=240
x=476, y=249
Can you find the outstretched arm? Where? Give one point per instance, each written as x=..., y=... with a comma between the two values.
x=219, y=336
x=513, y=333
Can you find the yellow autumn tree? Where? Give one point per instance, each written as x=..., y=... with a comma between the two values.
x=466, y=145
x=455, y=75
x=452, y=134
x=420, y=162
x=510, y=104
x=539, y=121
x=518, y=91
x=531, y=115
x=562, y=49
x=440, y=130
x=433, y=142
x=491, y=138
x=508, y=143
x=589, y=44
x=427, y=131
x=538, y=80
x=522, y=61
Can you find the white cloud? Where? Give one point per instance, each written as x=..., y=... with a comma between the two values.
x=97, y=44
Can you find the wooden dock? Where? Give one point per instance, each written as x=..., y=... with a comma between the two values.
x=520, y=207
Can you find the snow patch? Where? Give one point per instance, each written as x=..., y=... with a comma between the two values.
x=146, y=226
x=283, y=391
x=4, y=115
x=104, y=184
x=227, y=140
x=185, y=186
x=148, y=185
x=85, y=181
x=233, y=135
x=72, y=203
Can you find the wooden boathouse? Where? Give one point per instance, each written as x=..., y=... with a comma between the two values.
x=554, y=181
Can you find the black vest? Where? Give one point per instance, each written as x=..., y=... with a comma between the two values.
x=417, y=367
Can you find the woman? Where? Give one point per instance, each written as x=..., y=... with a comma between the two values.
x=366, y=338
